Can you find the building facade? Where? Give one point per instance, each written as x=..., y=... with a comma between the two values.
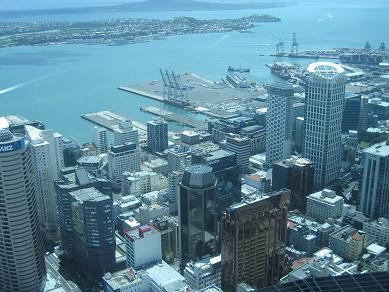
x=297, y=175
x=125, y=133
x=100, y=139
x=197, y=214
x=22, y=264
x=47, y=155
x=123, y=158
x=374, y=201
x=254, y=241
x=88, y=223
x=241, y=146
x=143, y=246
x=323, y=120
x=279, y=121
x=157, y=135
x=324, y=205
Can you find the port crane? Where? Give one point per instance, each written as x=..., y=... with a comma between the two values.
x=166, y=86
x=295, y=46
x=280, y=48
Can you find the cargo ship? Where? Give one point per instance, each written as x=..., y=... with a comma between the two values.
x=240, y=70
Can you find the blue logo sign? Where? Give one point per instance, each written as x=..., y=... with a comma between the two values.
x=12, y=146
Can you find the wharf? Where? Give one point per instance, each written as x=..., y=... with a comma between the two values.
x=170, y=116
x=111, y=120
x=199, y=91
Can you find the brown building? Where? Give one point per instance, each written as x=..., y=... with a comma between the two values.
x=254, y=241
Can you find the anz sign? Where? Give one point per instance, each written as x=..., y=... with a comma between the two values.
x=9, y=147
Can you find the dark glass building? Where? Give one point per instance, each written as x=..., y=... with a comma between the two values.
x=297, y=175
x=86, y=222
x=377, y=282
x=351, y=112
x=197, y=214
x=226, y=170
x=253, y=241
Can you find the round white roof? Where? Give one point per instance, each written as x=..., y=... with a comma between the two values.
x=325, y=69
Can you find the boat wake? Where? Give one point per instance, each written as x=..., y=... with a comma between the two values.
x=222, y=39
x=14, y=87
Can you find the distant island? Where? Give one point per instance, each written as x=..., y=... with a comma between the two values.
x=118, y=31
x=153, y=5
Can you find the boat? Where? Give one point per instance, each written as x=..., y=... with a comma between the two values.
x=240, y=70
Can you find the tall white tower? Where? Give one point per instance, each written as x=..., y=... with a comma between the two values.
x=47, y=157
x=100, y=139
x=22, y=264
x=279, y=121
x=324, y=99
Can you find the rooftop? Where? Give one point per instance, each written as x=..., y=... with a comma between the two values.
x=165, y=277
x=380, y=149
x=326, y=70
x=89, y=194
x=326, y=196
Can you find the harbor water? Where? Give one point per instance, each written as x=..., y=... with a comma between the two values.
x=57, y=84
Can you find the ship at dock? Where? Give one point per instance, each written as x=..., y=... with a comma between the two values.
x=239, y=70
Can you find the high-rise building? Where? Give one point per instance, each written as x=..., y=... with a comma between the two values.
x=157, y=135
x=86, y=217
x=374, y=201
x=257, y=136
x=241, y=146
x=323, y=120
x=47, y=156
x=22, y=264
x=122, y=158
x=295, y=174
x=279, y=121
x=174, y=190
x=125, y=133
x=100, y=139
x=143, y=246
x=351, y=112
x=253, y=241
x=197, y=214
x=226, y=171
x=177, y=159
x=299, y=134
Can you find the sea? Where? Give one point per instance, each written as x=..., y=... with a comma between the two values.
x=56, y=84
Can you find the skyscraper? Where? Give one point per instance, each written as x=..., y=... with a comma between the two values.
x=47, y=156
x=157, y=135
x=253, y=241
x=197, y=213
x=374, y=201
x=87, y=221
x=279, y=121
x=226, y=171
x=125, y=133
x=241, y=146
x=100, y=139
x=324, y=99
x=295, y=174
x=22, y=264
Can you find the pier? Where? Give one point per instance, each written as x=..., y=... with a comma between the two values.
x=111, y=120
x=199, y=91
x=170, y=116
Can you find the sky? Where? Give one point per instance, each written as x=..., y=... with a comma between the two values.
x=39, y=4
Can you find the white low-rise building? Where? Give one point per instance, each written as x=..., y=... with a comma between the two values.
x=324, y=205
x=203, y=273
